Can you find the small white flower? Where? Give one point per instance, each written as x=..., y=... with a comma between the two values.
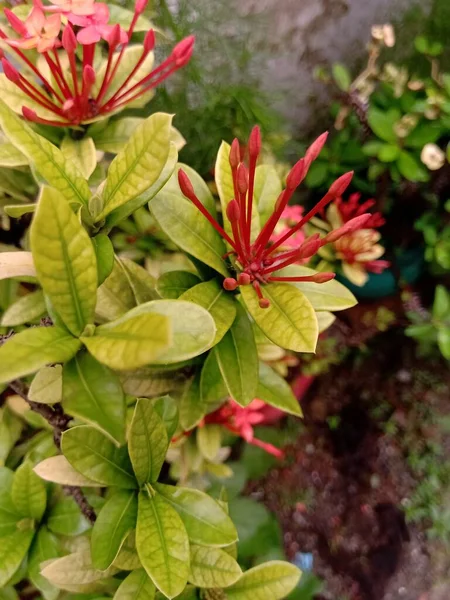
x=432, y=157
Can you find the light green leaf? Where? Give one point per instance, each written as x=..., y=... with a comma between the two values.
x=28, y=492
x=141, y=282
x=205, y=521
x=273, y=580
x=118, y=14
x=274, y=390
x=115, y=296
x=167, y=408
x=116, y=134
x=11, y=157
x=267, y=189
x=220, y=304
x=131, y=343
x=213, y=388
x=29, y=350
x=443, y=339
x=136, y=586
x=173, y=284
x=331, y=295
x=147, y=442
x=441, y=304
x=341, y=76
x=81, y=153
x=46, y=386
x=24, y=310
x=162, y=544
x=192, y=409
x=44, y=547
x=213, y=568
x=224, y=181
x=18, y=210
x=410, y=168
x=97, y=458
x=324, y=319
x=65, y=518
x=74, y=570
x=138, y=166
x=93, y=393
x=209, y=440
x=13, y=548
x=65, y=261
x=47, y=158
x=382, y=123
x=193, y=328
x=128, y=559
x=104, y=253
x=189, y=229
x=57, y=469
x=388, y=153
x=15, y=98
x=290, y=320
x=114, y=522
x=237, y=358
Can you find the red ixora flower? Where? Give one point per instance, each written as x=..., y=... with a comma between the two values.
x=352, y=208
x=75, y=96
x=258, y=261
x=241, y=420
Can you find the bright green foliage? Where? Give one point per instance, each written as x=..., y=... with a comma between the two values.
x=270, y=581
x=136, y=586
x=25, y=310
x=175, y=283
x=28, y=492
x=274, y=390
x=46, y=386
x=213, y=568
x=81, y=154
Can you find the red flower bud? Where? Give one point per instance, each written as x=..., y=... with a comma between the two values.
x=88, y=76
x=322, y=277
x=182, y=52
x=315, y=149
x=15, y=22
x=243, y=279
x=233, y=211
x=11, y=72
x=242, y=179
x=185, y=185
x=230, y=284
x=235, y=154
x=149, y=41
x=339, y=186
x=69, y=40
x=254, y=142
x=114, y=36
x=310, y=246
x=296, y=175
x=140, y=6
x=264, y=303
x=29, y=114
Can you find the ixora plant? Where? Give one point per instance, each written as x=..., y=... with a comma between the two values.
x=124, y=386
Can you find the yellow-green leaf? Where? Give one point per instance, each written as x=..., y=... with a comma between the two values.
x=162, y=544
x=47, y=158
x=13, y=548
x=267, y=189
x=136, y=586
x=325, y=319
x=29, y=350
x=28, y=492
x=273, y=580
x=173, y=284
x=24, y=310
x=65, y=261
x=274, y=390
x=113, y=137
x=290, y=320
x=213, y=568
x=46, y=386
x=81, y=153
x=74, y=570
x=10, y=156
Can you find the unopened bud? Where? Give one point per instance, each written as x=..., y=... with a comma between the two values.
x=296, y=175
x=69, y=40
x=29, y=114
x=349, y=227
x=114, y=36
x=15, y=22
x=339, y=186
x=185, y=185
x=182, y=52
x=254, y=142
x=242, y=179
x=322, y=277
x=88, y=76
x=235, y=154
x=230, y=284
x=140, y=6
x=315, y=149
x=149, y=40
x=11, y=72
x=264, y=303
x=233, y=211
x=310, y=246
x=244, y=279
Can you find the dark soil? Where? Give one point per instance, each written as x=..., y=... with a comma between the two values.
x=342, y=492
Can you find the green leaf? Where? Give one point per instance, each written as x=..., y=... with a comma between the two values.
x=173, y=284
x=443, y=339
x=11, y=157
x=213, y=568
x=128, y=559
x=132, y=343
x=237, y=358
x=104, y=253
x=65, y=261
x=115, y=296
x=140, y=281
x=29, y=350
x=65, y=518
x=93, y=393
x=324, y=319
x=274, y=390
x=114, y=522
x=13, y=548
x=44, y=547
x=193, y=328
x=28, y=492
x=389, y=153
x=80, y=153
x=116, y=134
x=74, y=570
x=118, y=14
x=47, y=158
x=220, y=304
x=441, y=304
x=224, y=181
x=139, y=165
x=162, y=544
x=205, y=520
x=290, y=320
x=97, y=458
x=189, y=229
x=382, y=123
x=24, y=310
x=341, y=76
x=57, y=469
x=209, y=440
x=410, y=168
x=317, y=174
x=267, y=189
x=147, y=442
x=270, y=581
x=46, y=386
x=192, y=410
x=136, y=586
x=213, y=387
x=167, y=408
x=15, y=98
x=18, y=210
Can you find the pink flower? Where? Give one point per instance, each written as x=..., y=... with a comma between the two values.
x=73, y=7
x=94, y=27
x=37, y=31
x=289, y=217
x=258, y=261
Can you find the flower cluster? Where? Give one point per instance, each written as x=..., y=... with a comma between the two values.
x=66, y=35
x=358, y=250
x=257, y=261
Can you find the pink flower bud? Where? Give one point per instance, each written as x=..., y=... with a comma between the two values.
x=29, y=114
x=88, y=76
x=315, y=149
x=11, y=72
x=182, y=52
x=185, y=185
x=296, y=175
x=233, y=211
x=69, y=40
x=242, y=179
x=114, y=36
x=322, y=277
x=15, y=22
x=264, y=303
x=254, y=142
x=235, y=154
x=230, y=284
x=339, y=186
x=140, y=6
x=310, y=246
x=149, y=41
x=244, y=279
x=357, y=223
